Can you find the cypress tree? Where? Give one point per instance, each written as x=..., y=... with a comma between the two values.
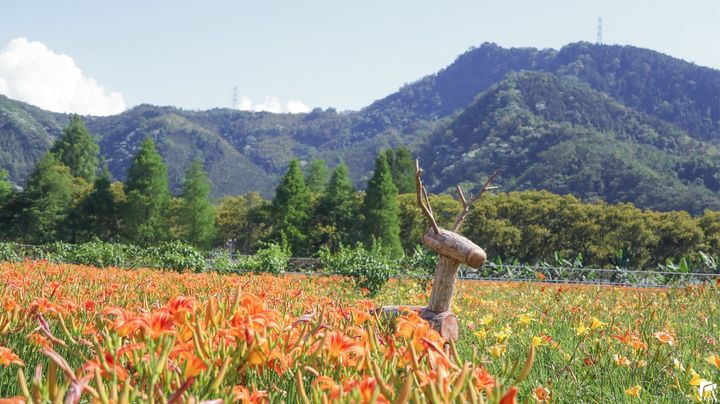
x=317, y=176
x=338, y=206
x=77, y=150
x=6, y=196
x=5, y=189
x=47, y=200
x=290, y=208
x=196, y=219
x=381, y=210
x=403, y=172
x=148, y=198
x=99, y=213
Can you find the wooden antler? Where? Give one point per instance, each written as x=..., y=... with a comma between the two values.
x=467, y=205
x=454, y=250
x=422, y=198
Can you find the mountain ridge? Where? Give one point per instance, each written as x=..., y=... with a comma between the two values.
x=248, y=151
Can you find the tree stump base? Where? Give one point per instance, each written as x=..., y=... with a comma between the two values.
x=445, y=323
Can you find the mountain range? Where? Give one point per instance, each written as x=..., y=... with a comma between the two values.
x=603, y=122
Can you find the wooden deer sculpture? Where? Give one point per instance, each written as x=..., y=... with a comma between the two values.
x=454, y=249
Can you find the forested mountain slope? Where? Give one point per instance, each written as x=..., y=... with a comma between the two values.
x=600, y=121
x=558, y=134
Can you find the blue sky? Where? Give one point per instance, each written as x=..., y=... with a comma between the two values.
x=320, y=53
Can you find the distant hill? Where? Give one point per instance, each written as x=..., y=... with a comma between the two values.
x=557, y=133
x=617, y=123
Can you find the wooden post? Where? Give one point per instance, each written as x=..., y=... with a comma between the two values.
x=454, y=250
x=443, y=289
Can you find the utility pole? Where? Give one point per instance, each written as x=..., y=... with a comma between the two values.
x=599, y=31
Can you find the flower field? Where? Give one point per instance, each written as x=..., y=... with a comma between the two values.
x=79, y=334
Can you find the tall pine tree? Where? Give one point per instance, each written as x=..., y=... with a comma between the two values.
x=403, y=172
x=47, y=200
x=381, y=210
x=78, y=150
x=145, y=214
x=7, y=208
x=196, y=216
x=317, y=176
x=337, y=208
x=290, y=209
x=5, y=189
x=98, y=215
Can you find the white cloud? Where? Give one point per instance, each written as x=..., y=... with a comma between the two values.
x=273, y=104
x=32, y=73
x=296, y=107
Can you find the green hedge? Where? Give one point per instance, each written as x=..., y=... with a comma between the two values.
x=172, y=255
x=272, y=258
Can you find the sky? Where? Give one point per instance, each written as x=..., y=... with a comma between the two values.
x=99, y=58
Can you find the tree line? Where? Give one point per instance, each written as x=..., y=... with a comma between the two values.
x=71, y=197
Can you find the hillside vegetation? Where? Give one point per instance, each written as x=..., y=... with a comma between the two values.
x=616, y=123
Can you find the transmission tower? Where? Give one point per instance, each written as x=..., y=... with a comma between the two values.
x=599, y=31
x=235, y=98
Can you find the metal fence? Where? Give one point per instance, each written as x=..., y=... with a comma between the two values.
x=595, y=276
x=535, y=273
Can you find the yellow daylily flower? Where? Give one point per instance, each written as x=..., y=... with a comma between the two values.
x=487, y=319
x=497, y=350
x=634, y=391
x=695, y=379
x=525, y=319
x=596, y=324
x=481, y=333
x=503, y=334
x=714, y=360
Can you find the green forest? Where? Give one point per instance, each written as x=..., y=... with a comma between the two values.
x=71, y=197
x=600, y=122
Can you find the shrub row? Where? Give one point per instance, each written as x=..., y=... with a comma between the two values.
x=172, y=255
x=369, y=268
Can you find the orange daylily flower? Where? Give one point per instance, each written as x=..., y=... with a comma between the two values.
x=193, y=367
x=114, y=367
x=124, y=322
x=160, y=323
x=367, y=387
x=509, y=396
x=13, y=400
x=621, y=360
x=344, y=349
x=39, y=340
x=243, y=395
x=483, y=379
x=327, y=384
x=664, y=338
x=8, y=357
x=43, y=305
x=179, y=307
x=541, y=394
